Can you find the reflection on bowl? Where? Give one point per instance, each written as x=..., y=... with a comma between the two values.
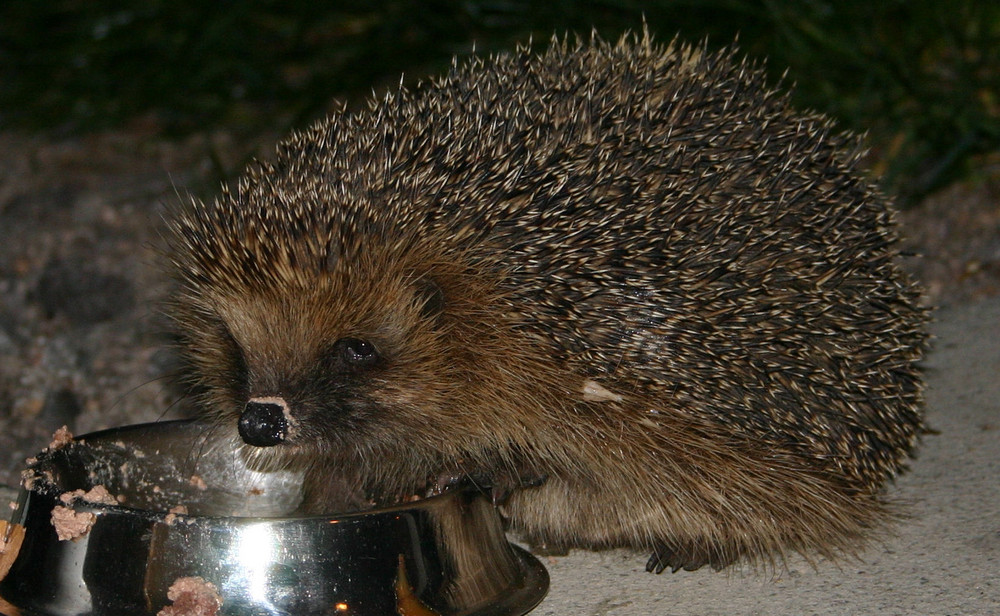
x=445, y=555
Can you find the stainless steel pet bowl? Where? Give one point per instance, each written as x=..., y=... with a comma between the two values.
x=445, y=555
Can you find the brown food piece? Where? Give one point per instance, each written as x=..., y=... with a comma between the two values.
x=68, y=497
x=98, y=495
x=192, y=596
x=198, y=482
x=28, y=478
x=70, y=524
x=60, y=438
x=172, y=514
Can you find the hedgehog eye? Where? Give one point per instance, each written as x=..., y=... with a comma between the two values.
x=356, y=353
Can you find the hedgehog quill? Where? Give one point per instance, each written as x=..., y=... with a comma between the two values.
x=623, y=285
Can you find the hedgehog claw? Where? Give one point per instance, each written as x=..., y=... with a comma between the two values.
x=654, y=564
x=664, y=557
x=501, y=490
x=498, y=488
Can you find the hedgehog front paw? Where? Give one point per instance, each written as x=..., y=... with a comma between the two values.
x=689, y=558
x=498, y=485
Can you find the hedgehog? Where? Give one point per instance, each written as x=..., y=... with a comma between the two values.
x=623, y=287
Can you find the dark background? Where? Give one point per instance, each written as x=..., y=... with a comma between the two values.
x=921, y=76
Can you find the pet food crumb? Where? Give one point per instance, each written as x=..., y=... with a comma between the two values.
x=198, y=482
x=192, y=596
x=172, y=514
x=29, y=477
x=71, y=524
x=98, y=495
x=60, y=439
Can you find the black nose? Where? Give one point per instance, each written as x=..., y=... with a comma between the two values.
x=263, y=422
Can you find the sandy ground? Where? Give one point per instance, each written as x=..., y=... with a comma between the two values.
x=82, y=343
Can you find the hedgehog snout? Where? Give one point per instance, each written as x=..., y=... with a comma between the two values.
x=264, y=422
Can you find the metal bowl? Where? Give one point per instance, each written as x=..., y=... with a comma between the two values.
x=445, y=555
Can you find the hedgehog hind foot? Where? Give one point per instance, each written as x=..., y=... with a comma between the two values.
x=688, y=558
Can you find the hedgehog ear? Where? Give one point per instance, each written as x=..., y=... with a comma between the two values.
x=430, y=297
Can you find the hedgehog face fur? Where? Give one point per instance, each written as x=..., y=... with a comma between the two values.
x=625, y=285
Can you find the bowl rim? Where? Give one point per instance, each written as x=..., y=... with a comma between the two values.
x=46, y=487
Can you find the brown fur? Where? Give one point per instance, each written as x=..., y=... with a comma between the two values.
x=630, y=270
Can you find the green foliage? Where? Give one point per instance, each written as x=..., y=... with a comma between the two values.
x=920, y=76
